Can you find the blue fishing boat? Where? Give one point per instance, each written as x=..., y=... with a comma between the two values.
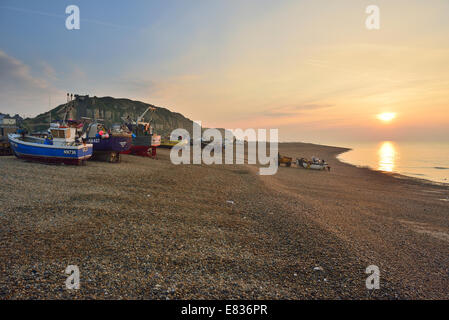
x=61, y=145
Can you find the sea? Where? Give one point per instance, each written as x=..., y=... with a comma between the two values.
x=423, y=160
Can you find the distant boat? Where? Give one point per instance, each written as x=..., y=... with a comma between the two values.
x=166, y=143
x=61, y=146
x=315, y=164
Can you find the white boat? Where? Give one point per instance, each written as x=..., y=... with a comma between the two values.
x=314, y=165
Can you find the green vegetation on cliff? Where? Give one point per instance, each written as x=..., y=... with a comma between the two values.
x=111, y=110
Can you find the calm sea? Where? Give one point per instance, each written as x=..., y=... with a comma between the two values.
x=420, y=160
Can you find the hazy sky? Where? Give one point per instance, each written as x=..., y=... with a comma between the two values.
x=309, y=68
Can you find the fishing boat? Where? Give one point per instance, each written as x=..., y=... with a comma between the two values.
x=108, y=144
x=167, y=143
x=315, y=164
x=60, y=146
x=142, y=135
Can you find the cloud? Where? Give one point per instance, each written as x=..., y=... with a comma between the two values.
x=20, y=91
x=294, y=110
x=48, y=70
x=13, y=71
x=312, y=106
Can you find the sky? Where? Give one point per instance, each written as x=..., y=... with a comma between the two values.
x=310, y=68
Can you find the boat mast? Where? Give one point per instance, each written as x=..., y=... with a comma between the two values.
x=69, y=107
x=49, y=105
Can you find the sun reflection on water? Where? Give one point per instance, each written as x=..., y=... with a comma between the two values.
x=387, y=155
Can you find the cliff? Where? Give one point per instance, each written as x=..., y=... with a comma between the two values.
x=111, y=110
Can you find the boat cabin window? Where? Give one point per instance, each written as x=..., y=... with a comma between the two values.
x=62, y=134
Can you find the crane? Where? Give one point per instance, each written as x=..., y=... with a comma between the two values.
x=143, y=114
x=140, y=118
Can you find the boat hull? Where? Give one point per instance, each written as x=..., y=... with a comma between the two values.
x=168, y=144
x=142, y=141
x=313, y=166
x=140, y=146
x=48, y=153
x=112, y=144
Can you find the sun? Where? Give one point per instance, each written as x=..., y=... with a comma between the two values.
x=386, y=116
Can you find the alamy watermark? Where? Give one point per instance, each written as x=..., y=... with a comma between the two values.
x=372, y=22
x=72, y=22
x=73, y=280
x=373, y=281
x=212, y=153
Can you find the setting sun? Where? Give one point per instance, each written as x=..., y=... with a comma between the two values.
x=386, y=116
